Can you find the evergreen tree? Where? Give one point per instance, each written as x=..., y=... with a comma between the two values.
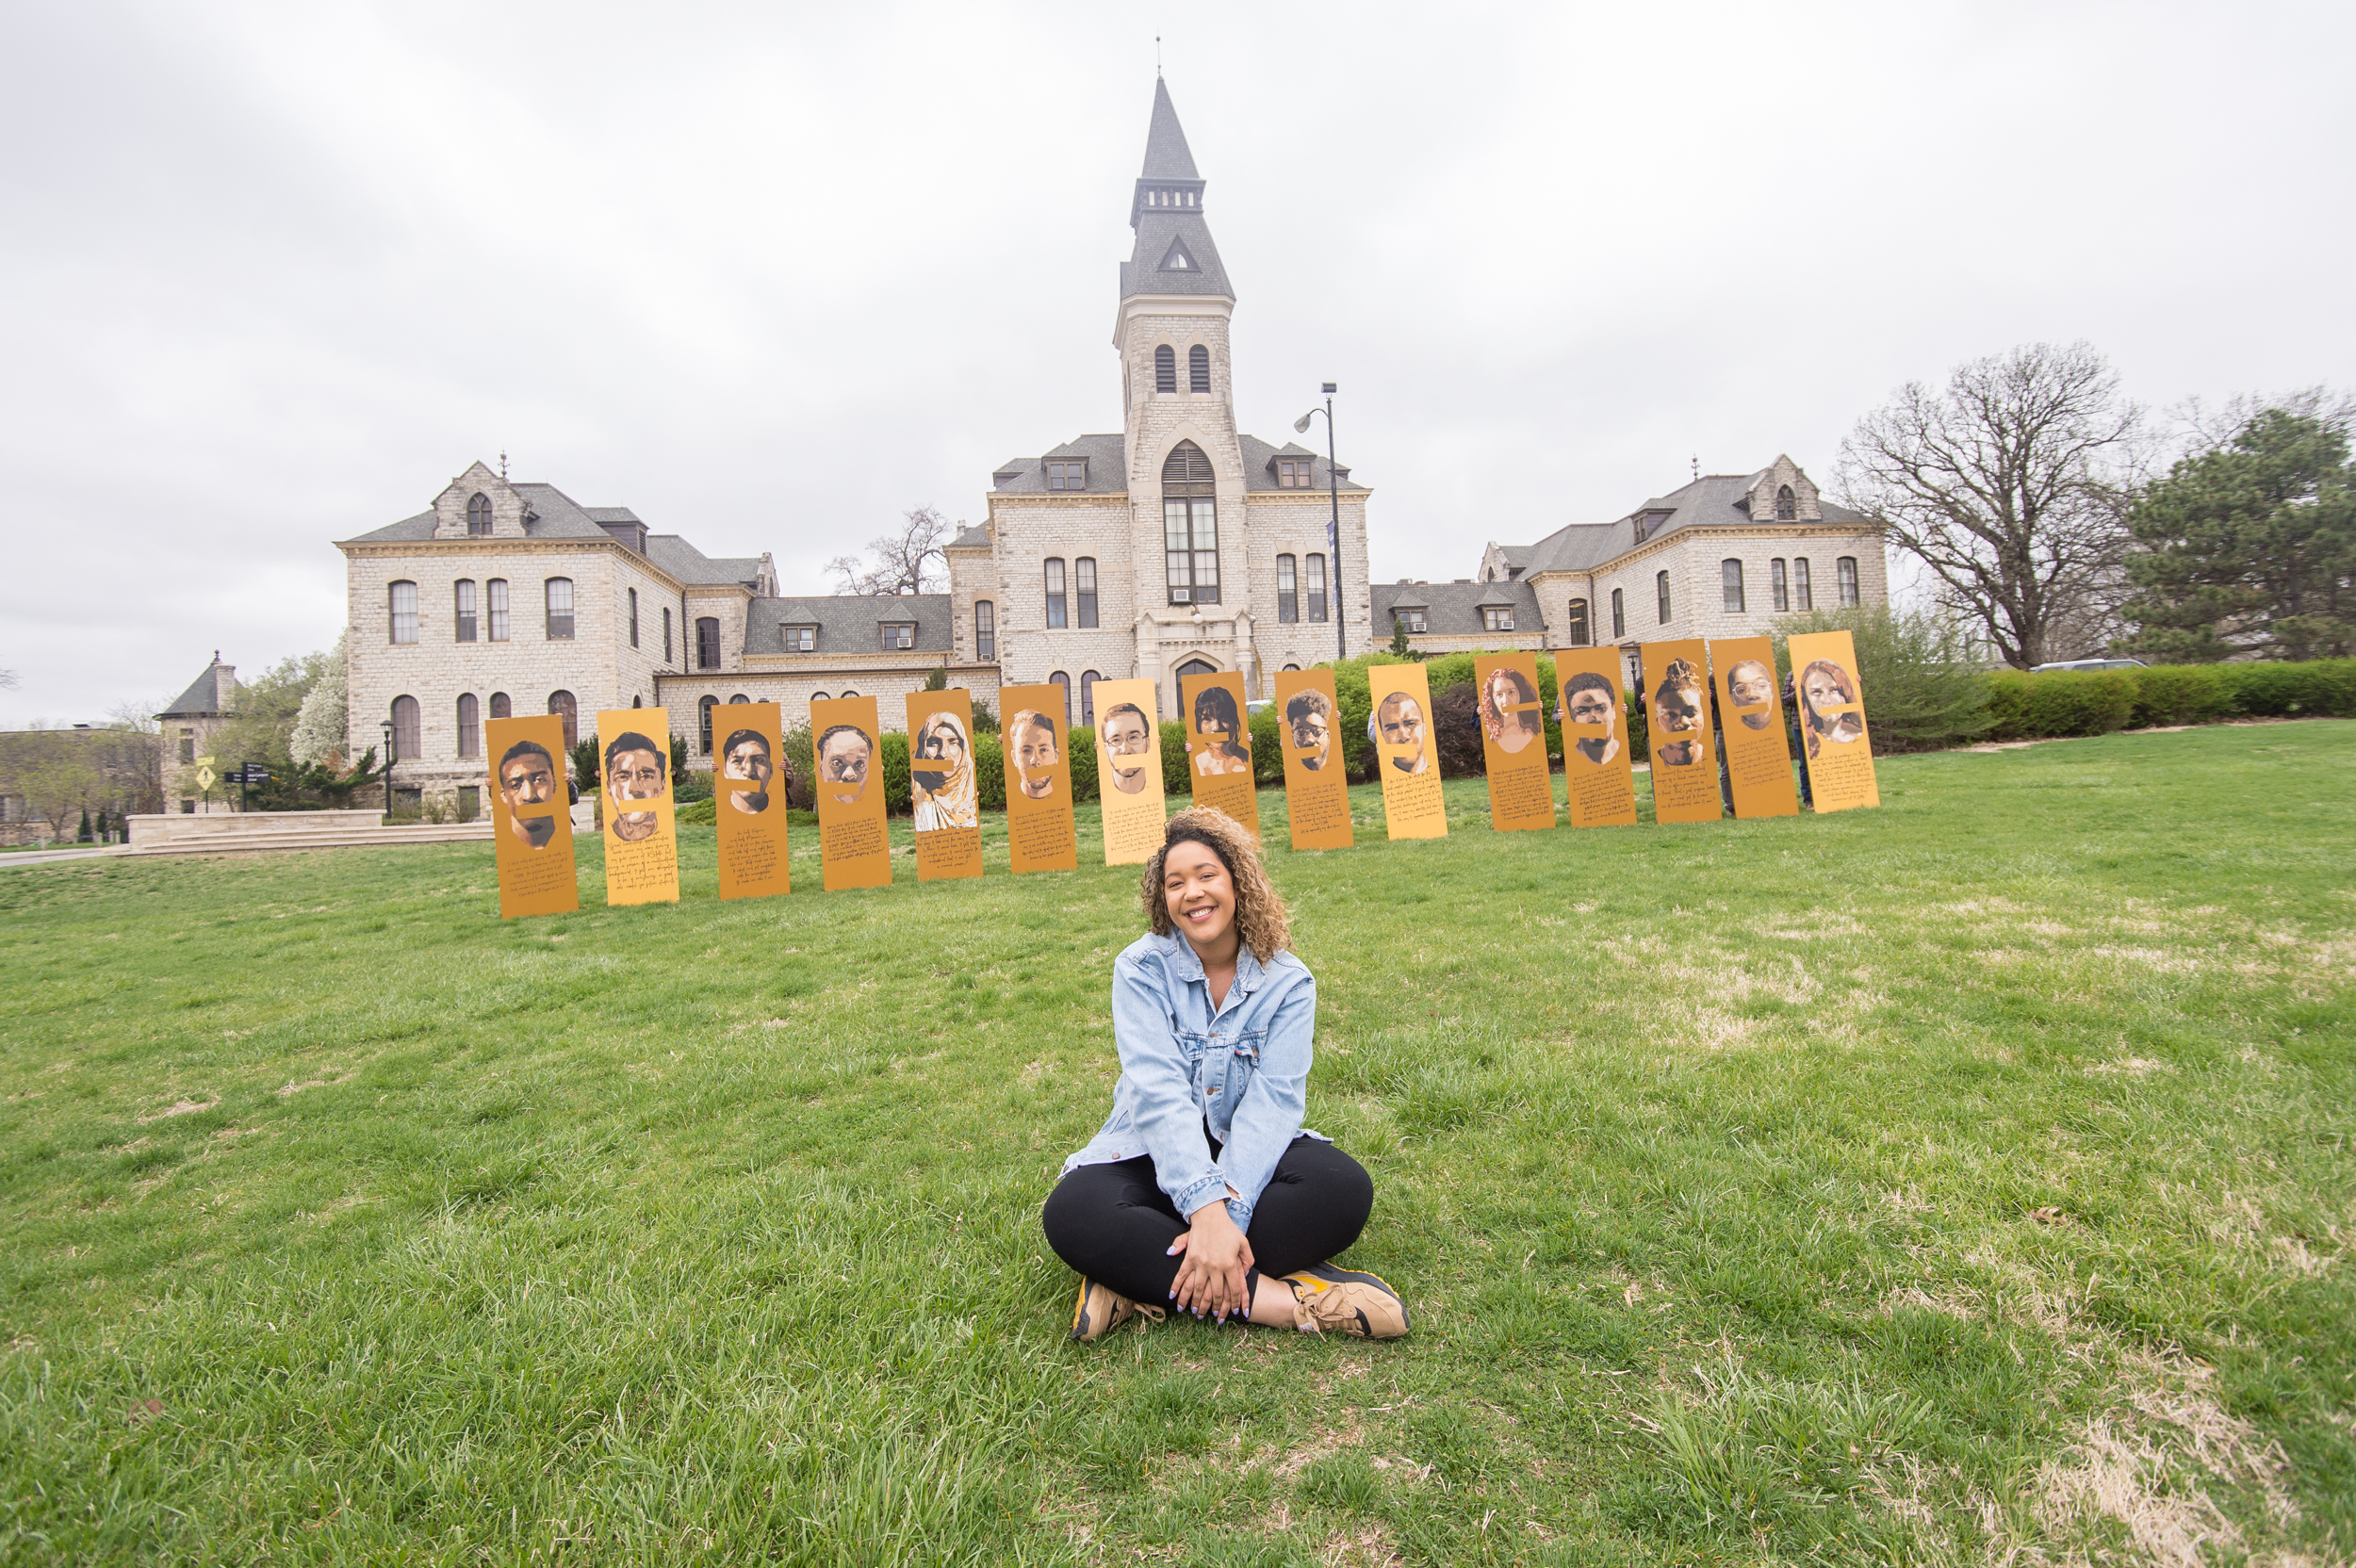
x=85, y=836
x=2248, y=546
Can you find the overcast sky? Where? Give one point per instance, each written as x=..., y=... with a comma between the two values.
x=271, y=275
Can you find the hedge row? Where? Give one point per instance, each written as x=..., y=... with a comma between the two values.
x=2095, y=702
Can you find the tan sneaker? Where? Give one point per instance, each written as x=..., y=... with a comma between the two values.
x=1102, y=1309
x=1336, y=1301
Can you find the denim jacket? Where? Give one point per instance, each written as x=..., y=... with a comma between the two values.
x=1240, y=1068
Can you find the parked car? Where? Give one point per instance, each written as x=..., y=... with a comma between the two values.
x=2088, y=664
x=1258, y=705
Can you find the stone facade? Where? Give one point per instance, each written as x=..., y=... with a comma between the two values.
x=1100, y=499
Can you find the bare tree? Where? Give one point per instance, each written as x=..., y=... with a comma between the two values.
x=2010, y=483
x=904, y=559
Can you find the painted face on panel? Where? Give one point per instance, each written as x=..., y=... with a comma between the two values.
x=746, y=757
x=845, y=754
x=1035, y=753
x=1590, y=700
x=1677, y=706
x=1129, y=744
x=1752, y=684
x=1311, y=721
x=1400, y=722
x=633, y=772
x=528, y=777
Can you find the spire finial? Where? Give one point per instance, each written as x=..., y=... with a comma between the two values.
x=502, y=462
x=1157, y=56
x=1697, y=465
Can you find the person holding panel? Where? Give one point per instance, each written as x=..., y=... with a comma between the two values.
x=1202, y=1192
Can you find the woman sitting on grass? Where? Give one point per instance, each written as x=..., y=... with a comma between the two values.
x=1202, y=1191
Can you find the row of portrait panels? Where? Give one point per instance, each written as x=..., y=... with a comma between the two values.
x=1689, y=688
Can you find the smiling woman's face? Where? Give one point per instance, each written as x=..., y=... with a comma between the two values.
x=1824, y=691
x=1198, y=893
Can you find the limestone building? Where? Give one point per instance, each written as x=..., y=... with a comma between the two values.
x=1723, y=556
x=1179, y=544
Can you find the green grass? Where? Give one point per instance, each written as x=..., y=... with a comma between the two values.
x=1967, y=1178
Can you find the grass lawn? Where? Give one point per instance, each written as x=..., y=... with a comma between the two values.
x=1964, y=1180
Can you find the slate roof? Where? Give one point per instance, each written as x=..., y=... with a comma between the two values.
x=1107, y=461
x=847, y=623
x=204, y=697
x=689, y=565
x=1454, y=609
x=1714, y=500
x=1174, y=252
x=971, y=538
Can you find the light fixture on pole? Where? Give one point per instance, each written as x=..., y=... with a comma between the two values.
x=1333, y=528
x=388, y=767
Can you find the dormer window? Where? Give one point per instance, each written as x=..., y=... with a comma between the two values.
x=1178, y=259
x=1646, y=522
x=1292, y=473
x=1064, y=475
x=899, y=636
x=1787, y=505
x=1409, y=621
x=479, y=516
x=801, y=639
x=1497, y=617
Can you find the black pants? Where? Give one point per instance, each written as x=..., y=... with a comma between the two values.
x=1113, y=1224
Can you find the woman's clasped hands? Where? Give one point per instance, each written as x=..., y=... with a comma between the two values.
x=1210, y=1282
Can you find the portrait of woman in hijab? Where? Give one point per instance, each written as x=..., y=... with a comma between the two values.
x=1508, y=711
x=1222, y=728
x=942, y=776
x=1677, y=707
x=1825, y=684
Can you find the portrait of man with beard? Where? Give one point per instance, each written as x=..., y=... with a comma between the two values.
x=1310, y=716
x=528, y=777
x=634, y=770
x=1032, y=734
x=746, y=757
x=1400, y=721
x=1589, y=698
x=845, y=753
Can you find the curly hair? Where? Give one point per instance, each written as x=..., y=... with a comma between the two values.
x=1493, y=718
x=1260, y=919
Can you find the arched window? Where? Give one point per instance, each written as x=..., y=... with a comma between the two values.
x=564, y=707
x=1292, y=666
x=847, y=695
x=408, y=741
x=1844, y=573
x=1803, y=594
x=1787, y=505
x=739, y=697
x=469, y=725
x=1287, y=589
x=1084, y=585
x=1619, y=615
x=501, y=707
x=666, y=634
x=985, y=631
x=1779, y=585
x=1164, y=369
x=634, y=617
x=1575, y=624
x=1661, y=588
x=560, y=592
x=1730, y=583
x=707, y=642
x=479, y=516
x=1198, y=368
x=401, y=599
x=1088, y=695
x=1059, y=679
x=703, y=724
x=1189, y=525
x=1055, y=591
x=1317, y=587
x=818, y=696
x=462, y=597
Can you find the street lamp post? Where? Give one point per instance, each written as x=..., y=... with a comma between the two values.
x=388, y=767
x=1333, y=535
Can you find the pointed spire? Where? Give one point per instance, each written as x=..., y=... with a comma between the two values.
x=1166, y=156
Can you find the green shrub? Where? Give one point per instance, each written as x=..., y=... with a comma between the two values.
x=2281, y=690
x=2180, y=693
x=1639, y=732
x=990, y=772
x=893, y=746
x=1353, y=686
x=1268, y=748
x=1923, y=688
x=2028, y=707
x=1177, y=778
x=704, y=812
x=1080, y=749
x=802, y=773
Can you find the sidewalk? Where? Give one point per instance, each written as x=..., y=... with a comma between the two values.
x=51, y=856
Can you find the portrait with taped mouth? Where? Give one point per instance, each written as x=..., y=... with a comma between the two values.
x=1041, y=835
x=1750, y=729
x=1129, y=769
x=531, y=830
x=1684, y=759
x=1317, y=786
x=754, y=862
x=1414, y=804
x=854, y=844
x=641, y=839
x=1832, y=721
x=1598, y=776
x=1513, y=741
x=1218, y=746
x=943, y=793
